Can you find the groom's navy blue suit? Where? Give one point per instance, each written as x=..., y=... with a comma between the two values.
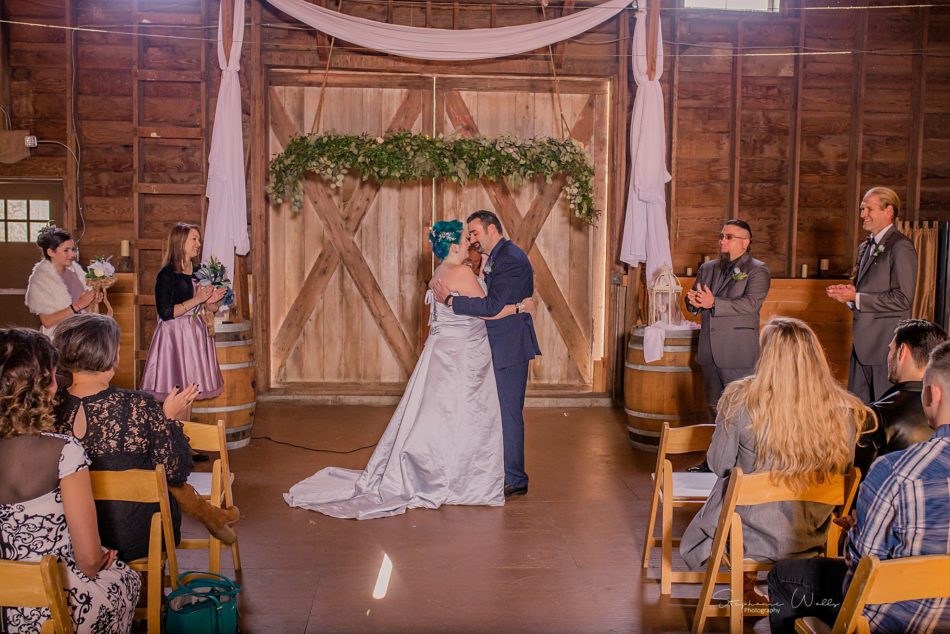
x=510, y=279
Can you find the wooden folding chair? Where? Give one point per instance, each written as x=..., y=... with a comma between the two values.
x=214, y=487
x=751, y=490
x=676, y=489
x=890, y=581
x=147, y=486
x=36, y=585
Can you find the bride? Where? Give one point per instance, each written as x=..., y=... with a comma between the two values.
x=443, y=444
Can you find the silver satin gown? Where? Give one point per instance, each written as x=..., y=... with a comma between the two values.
x=443, y=444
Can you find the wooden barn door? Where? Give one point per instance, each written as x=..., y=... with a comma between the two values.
x=347, y=275
x=567, y=255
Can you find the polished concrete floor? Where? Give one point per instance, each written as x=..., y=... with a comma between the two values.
x=564, y=558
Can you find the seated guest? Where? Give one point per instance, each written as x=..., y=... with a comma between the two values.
x=46, y=505
x=900, y=414
x=789, y=417
x=124, y=429
x=902, y=510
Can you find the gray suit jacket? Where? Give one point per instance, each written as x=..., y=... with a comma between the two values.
x=729, y=337
x=886, y=283
x=773, y=531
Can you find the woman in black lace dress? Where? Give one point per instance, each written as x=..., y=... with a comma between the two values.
x=124, y=429
x=46, y=504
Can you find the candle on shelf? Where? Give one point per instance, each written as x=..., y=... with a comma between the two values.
x=689, y=271
x=804, y=270
x=823, y=264
x=124, y=249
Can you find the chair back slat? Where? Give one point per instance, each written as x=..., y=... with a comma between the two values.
x=35, y=585
x=759, y=488
x=910, y=578
x=204, y=437
x=131, y=485
x=688, y=439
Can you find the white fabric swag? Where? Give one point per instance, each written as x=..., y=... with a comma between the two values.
x=226, y=226
x=448, y=44
x=646, y=235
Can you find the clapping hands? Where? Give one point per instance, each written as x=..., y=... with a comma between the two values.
x=841, y=292
x=178, y=401
x=701, y=296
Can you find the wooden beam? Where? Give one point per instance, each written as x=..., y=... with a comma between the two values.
x=735, y=137
x=918, y=106
x=227, y=26
x=795, y=153
x=326, y=264
x=653, y=27
x=71, y=195
x=507, y=209
x=856, y=139
x=567, y=8
x=258, y=150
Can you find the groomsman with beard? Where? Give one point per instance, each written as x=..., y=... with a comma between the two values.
x=882, y=293
x=728, y=295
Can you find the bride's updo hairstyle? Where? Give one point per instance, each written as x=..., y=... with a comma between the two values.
x=445, y=233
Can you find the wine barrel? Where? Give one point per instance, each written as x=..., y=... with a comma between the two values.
x=667, y=390
x=235, y=405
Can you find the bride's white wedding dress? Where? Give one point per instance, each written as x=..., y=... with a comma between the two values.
x=443, y=444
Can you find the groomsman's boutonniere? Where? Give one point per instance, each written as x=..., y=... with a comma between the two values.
x=878, y=251
x=488, y=267
x=737, y=274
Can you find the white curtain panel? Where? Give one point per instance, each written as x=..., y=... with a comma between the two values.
x=646, y=236
x=226, y=226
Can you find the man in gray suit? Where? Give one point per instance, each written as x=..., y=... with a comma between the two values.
x=728, y=294
x=882, y=294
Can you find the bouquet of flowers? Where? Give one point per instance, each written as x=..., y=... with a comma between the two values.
x=214, y=274
x=100, y=275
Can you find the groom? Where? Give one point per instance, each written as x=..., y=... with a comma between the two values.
x=510, y=279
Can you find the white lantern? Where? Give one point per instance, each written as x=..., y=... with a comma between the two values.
x=665, y=295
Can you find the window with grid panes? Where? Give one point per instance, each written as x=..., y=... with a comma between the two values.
x=21, y=219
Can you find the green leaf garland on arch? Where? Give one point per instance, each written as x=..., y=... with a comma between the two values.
x=407, y=156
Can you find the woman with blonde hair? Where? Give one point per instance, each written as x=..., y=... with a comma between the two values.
x=790, y=417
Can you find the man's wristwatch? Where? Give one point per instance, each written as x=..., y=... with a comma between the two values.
x=448, y=300
x=519, y=308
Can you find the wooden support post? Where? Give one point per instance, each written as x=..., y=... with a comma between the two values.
x=856, y=142
x=71, y=195
x=918, y=105
x=795, y=153
x=736, y=131
x=259, y=206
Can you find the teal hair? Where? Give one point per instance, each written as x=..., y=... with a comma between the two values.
x=443, y=234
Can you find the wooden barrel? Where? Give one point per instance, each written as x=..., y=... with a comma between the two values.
x=667, y=390
x=235, y=405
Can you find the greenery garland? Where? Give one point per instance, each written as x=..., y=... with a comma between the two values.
x=406, y=156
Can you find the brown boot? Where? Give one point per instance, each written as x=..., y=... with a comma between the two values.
x=750, y=595
x=218, y=521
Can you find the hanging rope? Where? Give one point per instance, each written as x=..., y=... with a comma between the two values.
x=565, y=128
x=326, y=74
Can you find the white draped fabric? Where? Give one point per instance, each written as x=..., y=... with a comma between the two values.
x=226, y=226
x=448, y=44
x=646, y=236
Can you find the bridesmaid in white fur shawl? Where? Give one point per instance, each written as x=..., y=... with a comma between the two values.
x=57, y=286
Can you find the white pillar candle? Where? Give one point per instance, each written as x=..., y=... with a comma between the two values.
x=124, y=249
x=823, y=264
x=689, y=271
x=804, y=270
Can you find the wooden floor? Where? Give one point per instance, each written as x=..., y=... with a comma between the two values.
x=565, y=558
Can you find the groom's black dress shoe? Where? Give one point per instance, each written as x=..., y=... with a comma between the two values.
x=702, y=467
x=512, y=491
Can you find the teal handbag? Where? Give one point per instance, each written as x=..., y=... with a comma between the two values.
x=204, y=603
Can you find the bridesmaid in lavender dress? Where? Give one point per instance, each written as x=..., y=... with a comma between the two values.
x=182, y=352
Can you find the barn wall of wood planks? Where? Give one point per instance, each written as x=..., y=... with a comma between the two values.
x=787, y=141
